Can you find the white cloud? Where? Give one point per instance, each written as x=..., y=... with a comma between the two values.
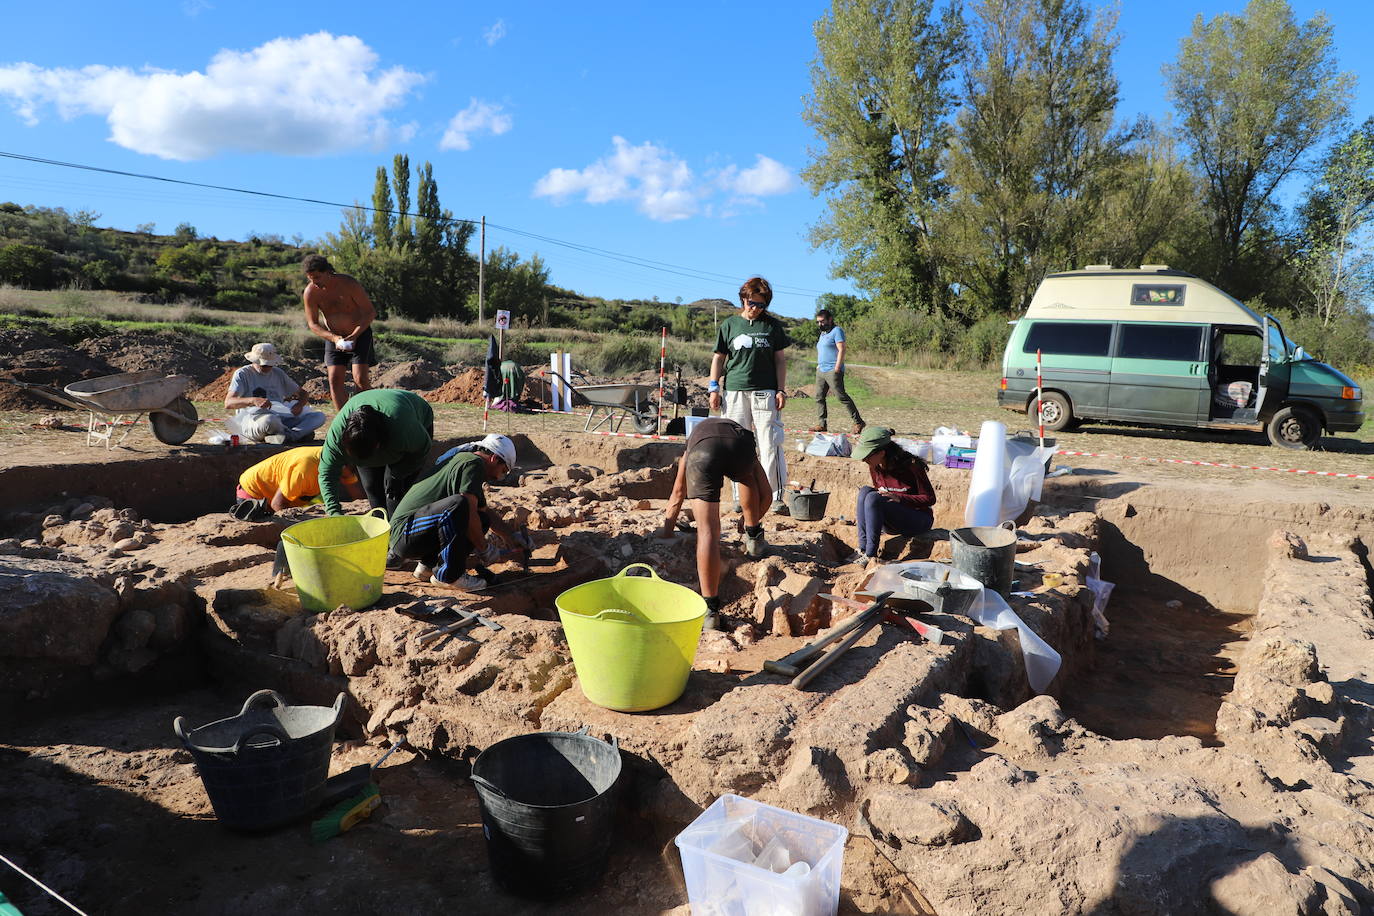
x=495, y=33
x=478, y=117
x=766, y=178
x=660, y=183
x=293, y=96
x=194, y=8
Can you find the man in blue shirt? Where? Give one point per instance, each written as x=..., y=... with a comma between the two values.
x=830, y=371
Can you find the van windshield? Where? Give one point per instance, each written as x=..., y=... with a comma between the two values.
x=1280, y=347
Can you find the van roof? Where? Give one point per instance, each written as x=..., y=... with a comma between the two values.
x=1150, y=293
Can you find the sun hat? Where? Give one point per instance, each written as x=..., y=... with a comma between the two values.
x=871, y=440
x=264, y=354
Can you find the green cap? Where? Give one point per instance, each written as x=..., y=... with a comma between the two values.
x=872, y=439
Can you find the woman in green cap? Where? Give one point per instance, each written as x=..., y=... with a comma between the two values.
x=900, y=500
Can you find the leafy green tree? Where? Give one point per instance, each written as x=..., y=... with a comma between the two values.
x=183, y=262
x=882, y=93
x=515, y=285
x=400, y=180
x=1255, y=93
x=26, y=265
x=382, y=218
x=1152, y=214
x=843, y=307
x=1338, y=266
x=1035, y=153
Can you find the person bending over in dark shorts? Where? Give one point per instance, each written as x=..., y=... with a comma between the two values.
x=337, y=309
x=719, y=448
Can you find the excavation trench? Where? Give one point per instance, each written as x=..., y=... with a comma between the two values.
x=1188, y=576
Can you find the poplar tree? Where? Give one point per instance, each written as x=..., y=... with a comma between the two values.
x=400, y=180
x=1035, y=154
x=1255, y=93
x=882, y=93
x=382, y=219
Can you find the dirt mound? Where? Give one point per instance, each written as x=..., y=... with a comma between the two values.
x=218, y=389
x=28, y=356
x=416, y=375
x=465, y=388
x=165, y=353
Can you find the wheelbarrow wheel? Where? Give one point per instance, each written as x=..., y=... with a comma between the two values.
x=646, y=422
x=175, y=430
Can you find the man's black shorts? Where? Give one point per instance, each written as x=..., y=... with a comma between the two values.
x=714, y=452
x=362, y=353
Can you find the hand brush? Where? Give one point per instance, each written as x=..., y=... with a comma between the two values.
x=346, y=814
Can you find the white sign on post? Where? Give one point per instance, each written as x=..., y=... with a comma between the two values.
x=502, y=320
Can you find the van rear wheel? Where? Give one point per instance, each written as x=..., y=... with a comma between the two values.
x=1055, y=412
x=1295, y=428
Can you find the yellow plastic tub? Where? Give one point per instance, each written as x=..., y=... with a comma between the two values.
x=338, y=560
x=632, y=638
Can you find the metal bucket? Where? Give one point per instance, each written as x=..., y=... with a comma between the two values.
x=988, y=554
x=266, y=766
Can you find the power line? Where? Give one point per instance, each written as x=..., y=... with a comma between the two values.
x=646, y=263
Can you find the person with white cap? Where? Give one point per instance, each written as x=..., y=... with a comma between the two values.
x=441, y=523
x=271, y=407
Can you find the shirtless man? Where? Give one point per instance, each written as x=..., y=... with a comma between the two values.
x=338, y=310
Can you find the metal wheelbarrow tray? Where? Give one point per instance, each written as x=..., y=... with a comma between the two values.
x=618, y=401
x=162, y=397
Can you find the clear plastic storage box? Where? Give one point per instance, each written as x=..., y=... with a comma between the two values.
x=745, y=858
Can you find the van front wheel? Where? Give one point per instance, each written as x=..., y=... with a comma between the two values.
x=1055, y=412
x=1294, y=427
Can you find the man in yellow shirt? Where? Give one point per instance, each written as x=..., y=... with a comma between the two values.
x=286, y=480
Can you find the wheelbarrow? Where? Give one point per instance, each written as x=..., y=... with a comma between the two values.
x=162, y=397
x=616, y=402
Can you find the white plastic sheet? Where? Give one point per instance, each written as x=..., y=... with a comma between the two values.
x=989, y=609
x=984, y=504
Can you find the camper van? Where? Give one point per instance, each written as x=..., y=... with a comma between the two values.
x=1161, y=347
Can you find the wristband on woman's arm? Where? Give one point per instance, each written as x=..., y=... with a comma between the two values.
x=713, y=385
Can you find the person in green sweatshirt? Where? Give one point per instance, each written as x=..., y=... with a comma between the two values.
x=385, y=434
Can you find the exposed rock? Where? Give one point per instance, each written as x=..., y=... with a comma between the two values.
x=1263, y=887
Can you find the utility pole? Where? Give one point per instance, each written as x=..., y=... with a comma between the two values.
x=482, y=276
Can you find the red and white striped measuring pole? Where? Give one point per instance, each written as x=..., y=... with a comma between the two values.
x=662, y=368
x=1039, y=383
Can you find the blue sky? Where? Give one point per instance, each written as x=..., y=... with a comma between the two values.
x=663, y=133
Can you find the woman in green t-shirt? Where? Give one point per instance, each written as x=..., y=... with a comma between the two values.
x=750, y=361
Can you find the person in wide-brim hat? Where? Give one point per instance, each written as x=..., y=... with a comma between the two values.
x=253, y=391
x=901, y=499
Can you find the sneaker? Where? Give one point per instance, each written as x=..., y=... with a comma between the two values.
x=858, y=427
x=423, y=573
x=712, y=621
x=778, y=508
x=395, y=562
x=470, y=583
x=754, y=546
x=817, y=429
x=857, y=556
x=275, y=439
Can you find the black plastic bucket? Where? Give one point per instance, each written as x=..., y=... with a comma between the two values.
x=547, y=810
x=988, y=554
x=268, y=765
x=807, y=506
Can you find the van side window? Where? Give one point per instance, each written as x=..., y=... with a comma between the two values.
x=1069, y=338
x=1181, y=343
